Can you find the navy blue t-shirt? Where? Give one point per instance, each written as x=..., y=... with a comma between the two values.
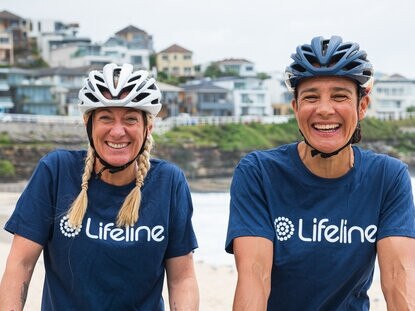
x=324, y=230
x=101, y=266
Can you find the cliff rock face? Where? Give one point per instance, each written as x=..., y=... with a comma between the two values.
x=195, y=162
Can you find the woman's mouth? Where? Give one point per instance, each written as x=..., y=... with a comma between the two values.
x=117, y=145
x=326, y=127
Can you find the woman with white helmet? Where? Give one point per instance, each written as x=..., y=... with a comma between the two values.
x=308, y=219
x=110, y=220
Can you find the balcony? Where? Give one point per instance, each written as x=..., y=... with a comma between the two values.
x=216, y=106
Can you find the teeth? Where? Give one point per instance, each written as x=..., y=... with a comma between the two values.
x=117, y=146
x=326, y=126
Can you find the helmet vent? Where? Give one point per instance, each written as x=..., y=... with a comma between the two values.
x=298, y=68
x=307, y=49
x=134, y=78
x=311, y=59
x=351, y=65
x=99, y=79
x=91, y=86
x=155, y=102
x=127, y=89
x=324, y=47
x=140, y=97
x=91, y=97
x=344, y=47
x=152, y=87
x=103, y=89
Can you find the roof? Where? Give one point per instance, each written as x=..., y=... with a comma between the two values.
x=129, y=29
x=175, y=49
x=234, y=61
x=164, y=87
x=204, y=87
x=8, y=15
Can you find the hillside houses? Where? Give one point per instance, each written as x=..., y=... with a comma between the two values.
x=44, y=63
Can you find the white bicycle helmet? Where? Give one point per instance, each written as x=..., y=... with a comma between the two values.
x=139, y=91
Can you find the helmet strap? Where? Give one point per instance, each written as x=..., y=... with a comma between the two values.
x=354, y=139
x=106, y=166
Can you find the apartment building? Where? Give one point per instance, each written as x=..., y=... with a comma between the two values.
x=392, y=97
x=204, y=98
x=237, y=66
x=175, y=61
x=249, y=95
x=129, y=45
x=13, y=35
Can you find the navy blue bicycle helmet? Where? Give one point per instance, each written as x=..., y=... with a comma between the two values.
x=330, y=57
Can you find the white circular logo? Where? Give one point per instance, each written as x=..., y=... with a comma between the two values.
x=284, y=228
x=67, y=229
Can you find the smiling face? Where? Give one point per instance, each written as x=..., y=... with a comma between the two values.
x=118, y=134
x=326, y=111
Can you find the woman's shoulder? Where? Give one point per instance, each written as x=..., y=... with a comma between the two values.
x=278, y=154
x=60, y=156
x=161, y=165
x=379, y=163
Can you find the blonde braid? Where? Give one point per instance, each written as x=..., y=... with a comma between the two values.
x=128, y=214
x=78, y=208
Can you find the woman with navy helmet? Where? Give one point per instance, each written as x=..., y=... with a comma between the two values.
x=110, y=220
x=308, y=219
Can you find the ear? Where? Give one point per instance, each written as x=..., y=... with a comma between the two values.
x=363, y=106
x=86, y=117
x=294, y=105
x=150, y=128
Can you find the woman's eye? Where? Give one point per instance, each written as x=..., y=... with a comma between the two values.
x=132, y=120
x=104, y=118
x=339, y=98
x=310, y=98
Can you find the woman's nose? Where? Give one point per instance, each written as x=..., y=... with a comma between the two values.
x=117, y=129
x=325, y=106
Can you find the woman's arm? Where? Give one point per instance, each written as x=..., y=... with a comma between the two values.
x=253, y=257
x=20, y=264
x=182, y=284
x=396, y=256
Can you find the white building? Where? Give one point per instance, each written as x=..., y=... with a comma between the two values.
x=249, y=95
x=238, y=66
x=392, y=97
x=130, y=45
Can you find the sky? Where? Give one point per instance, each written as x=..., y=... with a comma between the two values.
x=265, y=32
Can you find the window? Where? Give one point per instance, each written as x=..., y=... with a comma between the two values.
x=187, y=57
x=260, y=98
x=187, y=70
x=165, y=57
x=246, y=99
x=239, y=85
x=137, y=60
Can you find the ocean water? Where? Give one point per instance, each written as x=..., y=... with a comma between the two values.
x=210, y=220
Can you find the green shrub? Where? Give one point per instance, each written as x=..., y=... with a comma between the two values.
x=7, y=169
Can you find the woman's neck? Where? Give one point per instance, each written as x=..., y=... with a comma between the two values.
x=120, y=178
x=333, y=167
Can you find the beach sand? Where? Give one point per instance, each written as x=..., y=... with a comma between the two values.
x=216, y=283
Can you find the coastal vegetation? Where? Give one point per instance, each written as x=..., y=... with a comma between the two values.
x=398, y=134
x=204, y=151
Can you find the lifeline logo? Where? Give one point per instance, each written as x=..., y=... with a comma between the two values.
x=323, y=230
x=110, y=231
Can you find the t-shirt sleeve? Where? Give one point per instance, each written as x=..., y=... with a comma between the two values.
x=33, y=216
x=249, y=212
x=397, y=216
x=182, y=239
